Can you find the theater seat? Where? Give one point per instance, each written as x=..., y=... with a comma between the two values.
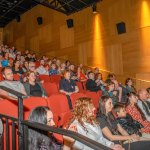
x=75, y=96
x=9, y=108
x=80, y=86
x=50, y=88
x=45, y=78
x=94, y=96
x=32, y=102
x=55, y=78
x=1, y=77
x=16, y=77
x=58, y=103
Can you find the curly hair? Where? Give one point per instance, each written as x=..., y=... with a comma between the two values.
x=81, y=111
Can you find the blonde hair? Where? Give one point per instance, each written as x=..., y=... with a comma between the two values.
x=28, y=74
x=81, y=111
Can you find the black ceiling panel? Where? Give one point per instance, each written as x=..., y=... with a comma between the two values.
x=10, y=9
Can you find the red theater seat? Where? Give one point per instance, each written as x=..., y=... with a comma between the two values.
x=50, y=88
x=58, y=103
x=80, y=86
x=75, y=96
x=32, y=102
x=55, y=78
x=94, y=96
x=45, y=78
x=16, y=77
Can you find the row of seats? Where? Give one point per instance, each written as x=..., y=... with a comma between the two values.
x=45, y=78
x=57, y=102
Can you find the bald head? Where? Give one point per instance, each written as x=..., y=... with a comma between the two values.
x=143, y=94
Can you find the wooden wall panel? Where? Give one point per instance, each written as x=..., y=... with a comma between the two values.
x=93, y=40
x=1, y=35
x=66, y=37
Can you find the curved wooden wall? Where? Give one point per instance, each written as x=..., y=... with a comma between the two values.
x=93, y=40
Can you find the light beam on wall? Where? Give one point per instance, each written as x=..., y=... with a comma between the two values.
x=98, y=50
x=145, y=28
x=145, y=13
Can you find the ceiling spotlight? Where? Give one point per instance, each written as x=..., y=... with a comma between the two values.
x=94, y=8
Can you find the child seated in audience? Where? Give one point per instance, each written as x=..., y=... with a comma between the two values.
x=110, y=91
x=53, y=70
x=126, y=121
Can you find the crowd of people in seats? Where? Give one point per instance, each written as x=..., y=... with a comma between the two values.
x=122, y=120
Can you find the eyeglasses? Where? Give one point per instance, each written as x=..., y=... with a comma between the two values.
x=32, y=66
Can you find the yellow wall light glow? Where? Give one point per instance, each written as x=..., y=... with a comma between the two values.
x=98, y=53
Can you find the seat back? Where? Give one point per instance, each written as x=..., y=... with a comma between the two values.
x=55, y=78
x=58, y=103
x=16, y=77
x=95, y=96
x=50, y=88
x=75, y=96
x=9, y=108
x=32, y=102
x=80, y=86
x=45, y=78
x=1, y=77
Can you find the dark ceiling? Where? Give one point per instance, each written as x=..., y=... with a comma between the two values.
x=12, y=9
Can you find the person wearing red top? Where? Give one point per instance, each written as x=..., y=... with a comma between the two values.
x=81, y=76
x=134, y=111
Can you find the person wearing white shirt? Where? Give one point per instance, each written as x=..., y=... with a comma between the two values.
x=143, y=103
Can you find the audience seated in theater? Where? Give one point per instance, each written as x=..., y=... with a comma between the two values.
x=135, y=112
x=111, y=76
x=68, y=87
x=1, y=58
x=91, y=85
x=18, y=57
x=16, y=69
x=41, y=69
x=11, y=62
x=80, y=74
x=110, y=91
x=96, y=70
x=148, y=90
x=42, y=140
x=53, y=70
x=10, y=83
x=25, y=66
x=58, y=63
x=118, y=88
x=32, y=67
x=113, y=131
x=143, y=103
x=62, y=68
x=99, y=81
x=129, y=85
x=84, y=122
x=73, y=75
x=68, y=63
x=5, y=61
x=33, y=57
x=127, y=122
x=32, y=87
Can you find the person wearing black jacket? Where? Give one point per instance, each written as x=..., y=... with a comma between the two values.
x=126, y=121
x=91, y=84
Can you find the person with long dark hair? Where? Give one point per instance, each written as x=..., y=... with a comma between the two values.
x=113, y=131
x=129, y=85
x=136, y=113
x=38, y=139
x=84, y=122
